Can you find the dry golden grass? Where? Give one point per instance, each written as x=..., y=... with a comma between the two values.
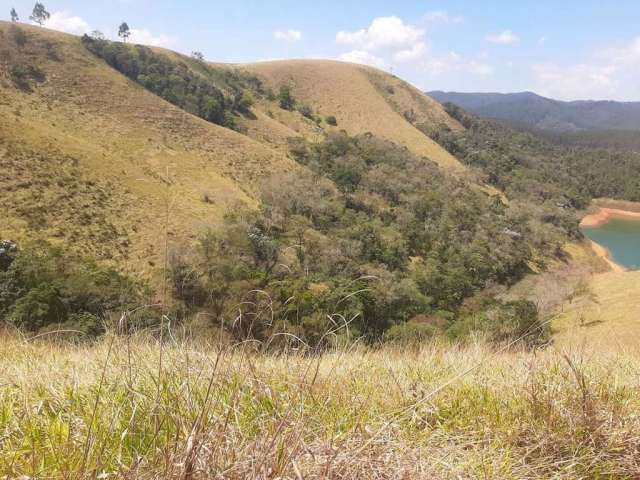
x=354, y=94
x=127, y=408
x=605, y=315
x=129, y=142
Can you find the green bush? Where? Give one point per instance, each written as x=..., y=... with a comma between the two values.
x=41, y=288
x=286, y=100
x=331, y=120
x=23, y=75
x=504, y=322
x=410, y=333
x=37, y=308
x=19, y=36
x=305, y=110
x=200, y=94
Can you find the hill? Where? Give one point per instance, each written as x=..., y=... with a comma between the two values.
x=363, y=100
x=108, y=165
x=529, y=109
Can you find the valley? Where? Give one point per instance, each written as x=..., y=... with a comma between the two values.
x=308, y=268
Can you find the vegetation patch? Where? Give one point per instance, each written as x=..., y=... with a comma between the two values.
x=528, y=168
x=374, y=237
x=44, y=288
x=192, y=87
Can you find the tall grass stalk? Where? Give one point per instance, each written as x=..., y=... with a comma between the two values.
x=85, y=411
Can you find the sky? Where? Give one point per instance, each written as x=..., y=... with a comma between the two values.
x=567, y=50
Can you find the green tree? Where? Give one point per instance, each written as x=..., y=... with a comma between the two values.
x=286, y=100
x=124, y=31
x=14, y=15
x=39, y=14
x=197, y=56
x=331, y=120
x=97, y=35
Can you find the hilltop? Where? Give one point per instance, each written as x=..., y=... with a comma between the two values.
x=527, y=108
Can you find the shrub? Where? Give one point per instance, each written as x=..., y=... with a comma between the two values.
x=505, y=322
x=331, y=120
x=8, y=252
x=410, y=333
x=42, y=288
x=410, y=116
x=201, y=93
x=305, y=110
x=287, y=102
x=39, y=307
x=22, y=76
x=19, y=36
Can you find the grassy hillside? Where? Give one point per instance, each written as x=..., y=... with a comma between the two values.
x=101, y=164
x=605, y=315
x=363, y=100
x=148, y=159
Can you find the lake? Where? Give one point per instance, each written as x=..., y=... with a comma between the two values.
x=621, y=237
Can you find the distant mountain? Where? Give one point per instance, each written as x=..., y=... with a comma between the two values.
x=529, y=109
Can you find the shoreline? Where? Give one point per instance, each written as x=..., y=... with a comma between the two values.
x=604, y=253
x=605, y=214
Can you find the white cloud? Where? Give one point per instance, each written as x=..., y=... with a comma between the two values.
x=542, y=40
x=505, y=38
x=363, y=57
x=628, y=54
x=610, y=73
x=65, y=22
x=412, y=54
x=390, y=40
x=454, y=62
x=383, y=33
x=576, y=81
x=288, y=35
x=441, y=16
x=145, y=37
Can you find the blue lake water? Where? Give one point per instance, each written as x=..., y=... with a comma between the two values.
x=621, y=237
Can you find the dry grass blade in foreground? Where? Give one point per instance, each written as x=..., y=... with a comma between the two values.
x=105, y=411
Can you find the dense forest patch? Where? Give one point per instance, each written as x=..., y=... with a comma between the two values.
x=214, y=94
x=373, y=237
x=45, y=288
x=533, y=170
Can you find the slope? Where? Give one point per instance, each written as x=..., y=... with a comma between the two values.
x=605, y=316
x=363, y=100
x=95, y=161
x=92, y=160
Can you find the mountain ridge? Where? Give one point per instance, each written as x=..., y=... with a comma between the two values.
x=529, y=108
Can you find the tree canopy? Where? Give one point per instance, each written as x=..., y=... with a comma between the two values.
x=40, y=14
x=123, y=31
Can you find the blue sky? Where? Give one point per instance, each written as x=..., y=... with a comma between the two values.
x=567, y=50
